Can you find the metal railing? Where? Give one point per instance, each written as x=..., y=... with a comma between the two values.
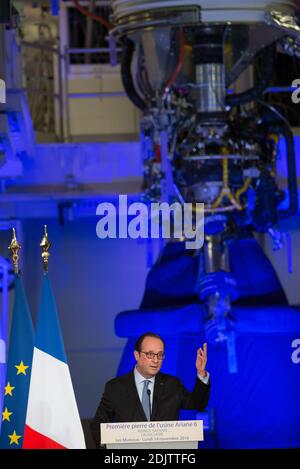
x=87, y=95
x=63, y=96
x=56, y=96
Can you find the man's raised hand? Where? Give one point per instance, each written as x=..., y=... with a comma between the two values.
x=201, y=360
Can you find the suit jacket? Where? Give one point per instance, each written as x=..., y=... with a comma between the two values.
x=120, y=401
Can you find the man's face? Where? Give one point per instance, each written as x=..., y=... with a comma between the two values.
x=149, y=367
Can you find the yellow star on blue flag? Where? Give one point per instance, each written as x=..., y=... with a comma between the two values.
x=6, y=414
x=8, y=389
x=21, y=368
x=14, y=438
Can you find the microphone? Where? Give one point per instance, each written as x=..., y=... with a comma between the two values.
x=149, y=395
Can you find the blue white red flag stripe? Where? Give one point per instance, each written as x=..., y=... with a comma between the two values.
x=52, y=419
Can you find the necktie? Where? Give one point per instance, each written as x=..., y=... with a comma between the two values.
x=146, y=399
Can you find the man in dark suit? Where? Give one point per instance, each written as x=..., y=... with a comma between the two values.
x=147, y=394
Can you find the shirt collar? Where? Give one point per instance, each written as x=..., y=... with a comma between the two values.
x=139, y=378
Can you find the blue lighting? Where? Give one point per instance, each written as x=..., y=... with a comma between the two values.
x=55, y=7
x=256, y=407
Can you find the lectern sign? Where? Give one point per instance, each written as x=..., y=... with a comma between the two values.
x=151, y=432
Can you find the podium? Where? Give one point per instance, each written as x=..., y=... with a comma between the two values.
x=174, y=434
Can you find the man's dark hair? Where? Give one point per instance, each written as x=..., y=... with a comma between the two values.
x=138, y=344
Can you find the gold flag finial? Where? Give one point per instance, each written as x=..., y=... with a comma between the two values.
x=15, y=247
x=45, y=245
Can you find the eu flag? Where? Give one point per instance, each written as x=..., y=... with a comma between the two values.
x=18, y=372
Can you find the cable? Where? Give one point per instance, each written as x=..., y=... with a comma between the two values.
x=178, y=66
x=127, y=53
x=287, y=134
x=95, y=17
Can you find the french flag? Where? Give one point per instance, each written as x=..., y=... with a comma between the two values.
x=52, y=419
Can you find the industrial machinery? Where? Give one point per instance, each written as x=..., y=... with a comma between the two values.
x=198, y=72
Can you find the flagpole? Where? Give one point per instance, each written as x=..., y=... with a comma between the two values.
x=45, y=245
